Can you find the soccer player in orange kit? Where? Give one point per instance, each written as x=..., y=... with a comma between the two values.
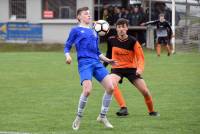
x=127, y=51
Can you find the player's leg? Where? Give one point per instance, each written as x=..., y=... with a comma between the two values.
x=86, y=77
x=87, y=87
x=107, y=97
x=142, y=87
x=123, y=111
x=168, y=50
x=158, y=49
x=158, y=46
x=101, y=74
x=166, y=42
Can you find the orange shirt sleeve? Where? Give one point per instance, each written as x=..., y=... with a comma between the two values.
x=139, y=55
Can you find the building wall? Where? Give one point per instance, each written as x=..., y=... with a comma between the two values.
x=54, y=31
x=33, y=10
x=4, y=10
x=88, y=3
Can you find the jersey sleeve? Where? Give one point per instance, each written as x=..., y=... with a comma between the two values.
x=70, y=41
x=139, y=56
x=169, y=28
x=151, y=22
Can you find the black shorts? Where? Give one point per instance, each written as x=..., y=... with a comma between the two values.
x=163, y=40
x=129, y=73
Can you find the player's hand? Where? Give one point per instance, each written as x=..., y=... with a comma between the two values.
x=112, y=62
x=138, y=72
x=68, y=59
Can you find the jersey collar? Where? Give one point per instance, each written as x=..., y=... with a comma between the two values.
x=122, y=40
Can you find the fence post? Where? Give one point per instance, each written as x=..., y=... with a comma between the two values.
x=150, y=37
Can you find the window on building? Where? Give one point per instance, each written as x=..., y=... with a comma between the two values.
x=58, y=9
x=17, y=9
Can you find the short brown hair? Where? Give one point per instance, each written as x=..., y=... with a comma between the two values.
x=81, y=9
x=122, y=21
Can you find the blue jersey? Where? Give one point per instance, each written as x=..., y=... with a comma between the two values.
x=86, y=42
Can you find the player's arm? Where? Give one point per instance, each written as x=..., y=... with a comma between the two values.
x=139, y=57
x=102, y=57
x=170, y=29
x=107, y=60
x=150, y=23
x=68, y=46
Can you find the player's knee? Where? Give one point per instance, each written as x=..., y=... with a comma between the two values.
x=110, y=88
x=114, y=82
x=87, y=86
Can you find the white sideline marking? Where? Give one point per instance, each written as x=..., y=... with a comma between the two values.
x=11, y=132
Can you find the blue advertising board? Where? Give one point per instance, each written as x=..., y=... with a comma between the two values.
x=24, y=31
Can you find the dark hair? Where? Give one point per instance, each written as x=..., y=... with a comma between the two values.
x=81, y=9
x=122, y=21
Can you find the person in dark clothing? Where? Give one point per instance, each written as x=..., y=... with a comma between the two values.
x=138, y=17
x=116, y=15
x=163, y=33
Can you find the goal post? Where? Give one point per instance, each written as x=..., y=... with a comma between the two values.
x=173, y=26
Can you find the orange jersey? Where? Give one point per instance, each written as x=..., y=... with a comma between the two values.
x=128, y=52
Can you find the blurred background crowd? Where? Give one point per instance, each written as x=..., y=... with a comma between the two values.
x=136, y=15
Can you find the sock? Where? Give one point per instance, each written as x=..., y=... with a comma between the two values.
x=118, y=97
x=81, y=105
x=158, y=49
x=149, y=103
x=105, y=104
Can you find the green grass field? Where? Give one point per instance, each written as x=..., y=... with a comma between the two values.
x=39, y=94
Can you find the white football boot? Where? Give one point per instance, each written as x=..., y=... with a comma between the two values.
x=76, y=123
x=105, y=121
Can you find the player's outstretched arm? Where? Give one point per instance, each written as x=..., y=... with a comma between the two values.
x=149, y=23
x=109, y=61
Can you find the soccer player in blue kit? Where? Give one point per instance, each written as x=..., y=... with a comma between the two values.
x=89, y=65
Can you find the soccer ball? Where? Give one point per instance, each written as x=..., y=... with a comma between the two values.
x=101, y=27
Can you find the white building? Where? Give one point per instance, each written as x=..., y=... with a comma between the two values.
x=56, y=16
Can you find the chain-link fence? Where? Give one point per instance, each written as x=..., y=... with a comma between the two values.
x=188, y=38
x=188, y=34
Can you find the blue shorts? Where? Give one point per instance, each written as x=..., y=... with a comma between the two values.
x=91, y=67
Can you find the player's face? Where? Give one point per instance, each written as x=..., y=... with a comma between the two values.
x=122, y=30
x=85, y=17
x=162, y=18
